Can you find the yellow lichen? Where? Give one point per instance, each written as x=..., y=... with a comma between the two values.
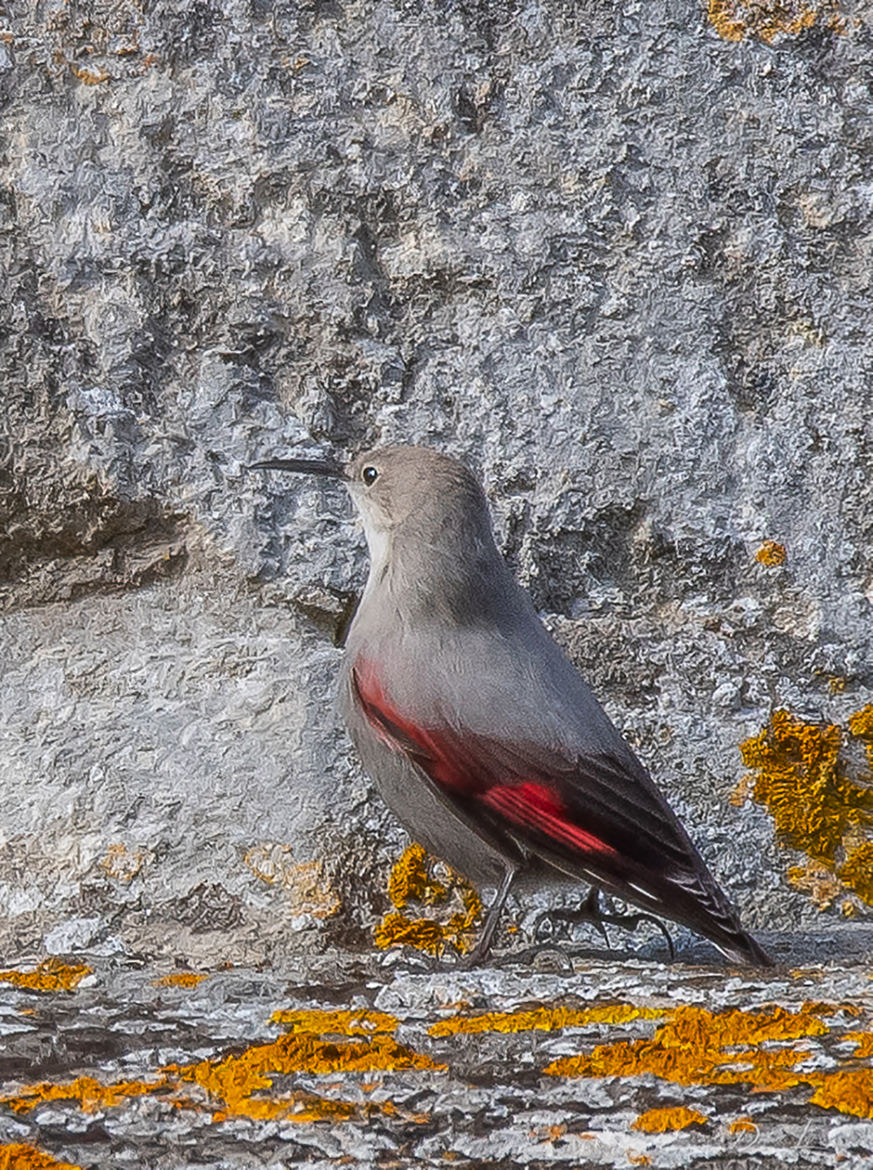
x=664, y=1120
x=123, y=864
x=863, y=1044
x=240, y=1084
x=856, y=872
x=771, y=554
x=88, y=76
x=19, y=1156
x=743, y=1125
x=546, y=1019
x=768, y=1050
x=237, y=1083
x=848, y=1090
x=180, y=979
x=698, y=1047
x=88, y=1093
x=803, y=782
x=861, y=727
x=49, y=975
x=818, y=881
x=340, y=1023
x=861, y=723
x=308, y=887
x=412, y=881
x=764, y=20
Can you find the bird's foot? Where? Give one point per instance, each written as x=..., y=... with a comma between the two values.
x=413, y=960
x=593, y=914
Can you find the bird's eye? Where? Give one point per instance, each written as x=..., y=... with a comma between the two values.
x=369, y=475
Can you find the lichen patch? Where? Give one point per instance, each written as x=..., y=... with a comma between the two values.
x=771, y=554
x=49, y=975
x=339, y=1023
x=20, y=1156
x=244, y=1084
x=767, y=20
x=668, y=1119
x=180, y=979
x=546, y=1019
x=453, y=904
x=763, y=1050
x=800, y=775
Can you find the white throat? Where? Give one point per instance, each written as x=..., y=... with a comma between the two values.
x=379, y=545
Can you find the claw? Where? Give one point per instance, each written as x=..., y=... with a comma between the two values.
x=591, y=912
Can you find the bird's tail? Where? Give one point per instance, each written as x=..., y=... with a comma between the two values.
x=742, y=948
x=696, y=900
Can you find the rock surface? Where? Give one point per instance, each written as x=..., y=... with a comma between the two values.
x=339, y=1061
x=617, y=257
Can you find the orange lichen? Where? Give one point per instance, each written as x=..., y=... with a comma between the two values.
x=698, y=1047
x=548, y=1133
x=664, y=1120
x=121, y=863
x=764, y=20
x=180, y=979
x=49, y=975
x=861, y=727
x=742, y=1125
x=309, y=889
x=848, y=1090
x=19, y=1156
x=818, y=881
x=771, y=554
x=88, y=1093
x=88, y=76
x=239, y=1084
x=362, y=1022
x=412, y=881
x=856, y=872
x=546, y=1019
x=803, y=782
x=636, y=1159
x=799, y=781
x=863, y=1044
x=861, y=723
x=768, y=1050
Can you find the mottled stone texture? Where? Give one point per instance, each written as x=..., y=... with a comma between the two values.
x=616, y=259
x=335, y=1062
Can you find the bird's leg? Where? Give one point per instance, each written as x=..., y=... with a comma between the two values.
x=591, y=912
x=483, y=947
x=632, y=921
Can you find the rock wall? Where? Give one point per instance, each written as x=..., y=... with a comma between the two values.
x=618, y=257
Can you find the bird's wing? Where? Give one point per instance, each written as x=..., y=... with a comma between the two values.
x=597, y=815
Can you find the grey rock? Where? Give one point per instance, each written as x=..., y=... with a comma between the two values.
x=197, y=1077
x=619, y=263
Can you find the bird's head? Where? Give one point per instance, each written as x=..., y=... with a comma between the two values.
x=408, y=496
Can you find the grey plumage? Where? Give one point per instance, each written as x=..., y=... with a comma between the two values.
x=480, y=734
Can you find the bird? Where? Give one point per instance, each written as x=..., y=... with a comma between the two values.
x=480, y=734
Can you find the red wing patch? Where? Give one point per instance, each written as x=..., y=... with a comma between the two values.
x=465, y=772
x=530, y=796
x=397, y=731
x=537, y=807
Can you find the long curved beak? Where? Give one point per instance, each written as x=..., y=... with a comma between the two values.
x=308, y=466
